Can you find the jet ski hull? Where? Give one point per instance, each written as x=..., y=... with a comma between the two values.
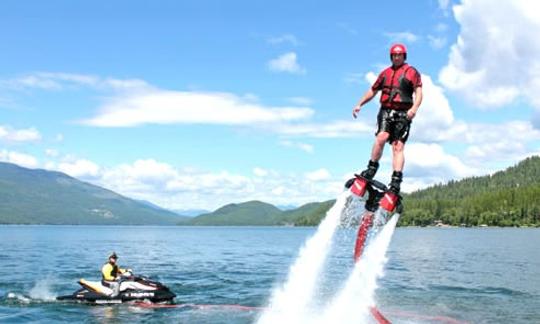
x=85, y=296
x=132, y=290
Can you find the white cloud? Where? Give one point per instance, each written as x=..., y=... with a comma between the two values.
x=437, y=42
x=499, y=142
x=125, y=84
x=286, y=63
x=441, y=28
x=18, y=158
x=147, y=171
x=425, y=159
x=334, y=129
x=9, y=134
x=301, y=101
x=250, y=97
x=59, y=137
x=428, y=164
x=171, y=187
x=177, y=188
x=318, y=175
x=134, y=102
x=434, y=121
x=32, y=81
x=494, y=61
x=402, y=37
x=170, y=107
x=443, y=4
x=308, y=148
x=285, y=38
x=59, y=81
x=370, y=77
x=279, y=191
x=48, y=81
x=260, y=172
x=82, y=168
x=51, y=153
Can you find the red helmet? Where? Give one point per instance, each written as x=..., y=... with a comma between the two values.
x=398, y=49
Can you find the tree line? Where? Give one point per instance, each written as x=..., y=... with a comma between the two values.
x=506, y=198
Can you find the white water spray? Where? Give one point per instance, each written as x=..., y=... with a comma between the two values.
x=290, y=302
x=42, y=290
x=352, y=304
x=18, y=297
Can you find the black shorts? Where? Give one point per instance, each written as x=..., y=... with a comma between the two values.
x=395, y=122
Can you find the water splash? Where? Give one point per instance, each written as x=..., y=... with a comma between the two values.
x=351, y=215
x=11, y=296
x=352, y=304
x=42, y=290
x=290, y=303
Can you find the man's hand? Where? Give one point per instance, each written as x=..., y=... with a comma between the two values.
x=356, y=110
x=417, y=101
x=411, y=113
x=365, y=99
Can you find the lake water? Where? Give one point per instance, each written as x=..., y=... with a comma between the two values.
x=433, y=275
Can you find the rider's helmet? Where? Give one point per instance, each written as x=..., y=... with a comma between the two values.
x=398, y=49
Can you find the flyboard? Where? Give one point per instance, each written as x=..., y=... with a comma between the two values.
x=380, y=204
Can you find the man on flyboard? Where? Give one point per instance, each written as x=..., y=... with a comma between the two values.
x=401, y=96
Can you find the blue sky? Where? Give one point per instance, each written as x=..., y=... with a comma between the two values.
x=196, y=104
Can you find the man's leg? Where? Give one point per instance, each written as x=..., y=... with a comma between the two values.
x=376, y=153
x=115, y=286
x=398, y=161
x=378, y=146
x=398, y=157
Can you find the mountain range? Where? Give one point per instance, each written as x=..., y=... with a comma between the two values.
x=28, y=196
x=506, y=198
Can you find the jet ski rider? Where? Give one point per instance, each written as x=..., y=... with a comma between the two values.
x=111, y=274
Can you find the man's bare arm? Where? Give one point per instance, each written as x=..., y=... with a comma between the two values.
x=365, y=99
x=417, y=102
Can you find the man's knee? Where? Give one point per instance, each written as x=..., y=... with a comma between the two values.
x=397, y=146
x=382, y=137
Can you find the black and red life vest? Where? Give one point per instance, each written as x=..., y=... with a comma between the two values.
x=396, y=87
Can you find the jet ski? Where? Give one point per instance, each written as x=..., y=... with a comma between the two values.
x=132, y=289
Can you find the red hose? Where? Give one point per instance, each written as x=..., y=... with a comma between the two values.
x=367, y=221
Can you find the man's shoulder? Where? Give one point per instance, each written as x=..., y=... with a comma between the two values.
x=386, y=69
x=411, y=68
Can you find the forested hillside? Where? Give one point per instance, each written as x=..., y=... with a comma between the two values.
x=506, y=198
x=29, y=196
